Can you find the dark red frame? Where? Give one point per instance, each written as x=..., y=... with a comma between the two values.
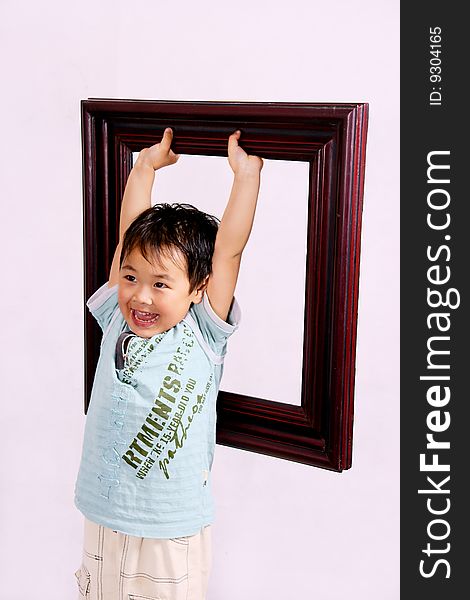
x=332, y=138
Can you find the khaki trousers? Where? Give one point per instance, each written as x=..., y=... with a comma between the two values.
x=117, y=566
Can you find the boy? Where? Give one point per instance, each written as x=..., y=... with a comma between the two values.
x=144, y=484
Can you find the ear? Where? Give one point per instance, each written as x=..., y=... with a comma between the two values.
x=199, y=292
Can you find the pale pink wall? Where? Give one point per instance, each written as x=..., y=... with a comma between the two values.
x=266, y=543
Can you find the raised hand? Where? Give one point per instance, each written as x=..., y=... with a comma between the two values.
x=159, y=155
x=241, y=162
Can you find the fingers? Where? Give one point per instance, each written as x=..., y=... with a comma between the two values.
x=233, y=140
x=167, y=138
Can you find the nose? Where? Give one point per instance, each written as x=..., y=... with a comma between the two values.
x=142, y=296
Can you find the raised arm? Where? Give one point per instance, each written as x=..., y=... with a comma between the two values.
x=138, y=192
x=235, y=226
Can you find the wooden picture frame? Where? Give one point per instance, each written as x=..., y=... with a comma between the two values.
x=332, y=139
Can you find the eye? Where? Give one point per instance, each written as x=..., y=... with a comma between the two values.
x=126, y=276
x=159, y=284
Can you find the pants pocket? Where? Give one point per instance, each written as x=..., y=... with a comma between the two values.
x=83, y=581
x=156, y=568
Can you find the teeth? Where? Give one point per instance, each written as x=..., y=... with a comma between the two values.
x=143, y=316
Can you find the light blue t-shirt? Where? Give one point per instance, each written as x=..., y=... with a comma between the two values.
x=150, y=430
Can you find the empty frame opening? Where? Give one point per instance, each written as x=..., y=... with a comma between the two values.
x=265, y=357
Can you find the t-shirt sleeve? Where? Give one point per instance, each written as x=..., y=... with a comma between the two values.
x=215, y=330
x=103, y=304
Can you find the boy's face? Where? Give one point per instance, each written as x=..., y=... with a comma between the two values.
x=154, y=297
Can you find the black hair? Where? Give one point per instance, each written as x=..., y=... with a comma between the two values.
x=161, y=229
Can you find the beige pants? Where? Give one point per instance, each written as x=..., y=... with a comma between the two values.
x=117, y=566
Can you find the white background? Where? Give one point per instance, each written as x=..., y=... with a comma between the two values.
x=283, y=530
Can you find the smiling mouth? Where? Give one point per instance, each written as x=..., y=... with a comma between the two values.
x=144, y=319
